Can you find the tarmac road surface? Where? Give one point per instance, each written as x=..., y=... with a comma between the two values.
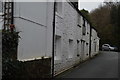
x=105, y=65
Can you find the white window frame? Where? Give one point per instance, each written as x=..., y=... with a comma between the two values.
x=71, y=48
x=57, y=48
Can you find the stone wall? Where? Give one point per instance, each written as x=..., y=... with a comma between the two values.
x=34, y=69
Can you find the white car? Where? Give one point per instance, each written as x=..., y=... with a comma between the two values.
x=107, y=47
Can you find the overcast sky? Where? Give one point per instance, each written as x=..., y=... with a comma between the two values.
x=89, y=4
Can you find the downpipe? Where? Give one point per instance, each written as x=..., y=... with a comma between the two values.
x=53, y=42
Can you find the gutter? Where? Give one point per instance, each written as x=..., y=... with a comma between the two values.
x=53, y=40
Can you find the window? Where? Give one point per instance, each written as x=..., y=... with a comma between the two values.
x=57, y=47
x=84, y=27
x=78, y=48
x=79, y=20
x=87, y=48
x=79, y=25
x=95, y=46
x=59, y=8
x=71, y=48
x=82, y=49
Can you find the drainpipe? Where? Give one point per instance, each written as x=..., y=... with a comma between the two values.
x=53, y=39
x=90, y=42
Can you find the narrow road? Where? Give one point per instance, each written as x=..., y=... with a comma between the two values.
x=105, y=65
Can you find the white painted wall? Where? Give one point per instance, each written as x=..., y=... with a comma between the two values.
x=1, y=23
x=1, y=19
x=34, y=20
x=70, y=33
x=94, y=43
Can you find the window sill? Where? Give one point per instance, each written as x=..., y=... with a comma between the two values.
x=70, y=57
x=56, y=58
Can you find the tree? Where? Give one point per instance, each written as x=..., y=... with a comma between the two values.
x=101, y=19
x=86, y=14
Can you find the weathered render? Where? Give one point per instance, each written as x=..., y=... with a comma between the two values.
x=34, y=21
x=74, y=41
x=72, y=37
x=94, y=43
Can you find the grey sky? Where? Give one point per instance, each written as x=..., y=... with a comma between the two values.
x=89, y=5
